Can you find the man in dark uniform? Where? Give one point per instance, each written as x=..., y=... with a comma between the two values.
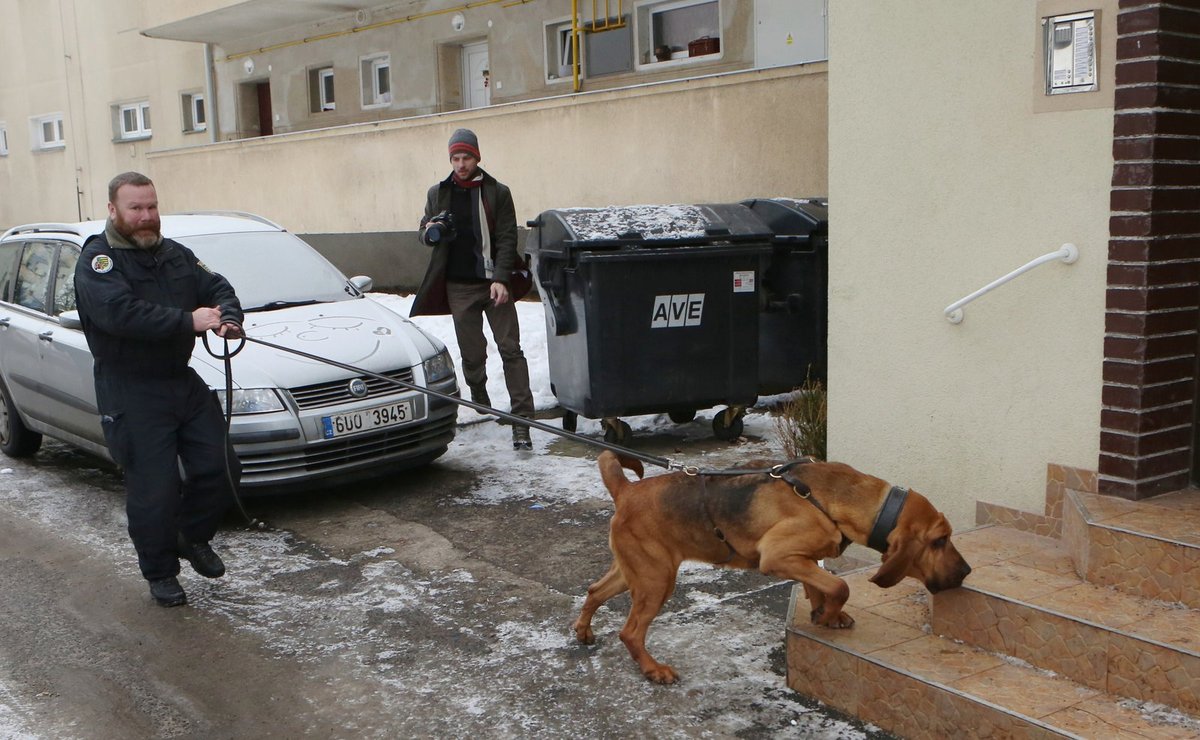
x=471, y=223
x=142, y=300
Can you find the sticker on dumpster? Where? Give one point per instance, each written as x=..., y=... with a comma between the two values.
x=743, y=281
x=677, y=310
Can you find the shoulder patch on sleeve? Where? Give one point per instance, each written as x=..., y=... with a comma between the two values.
x=102, y=263
x=204, y=267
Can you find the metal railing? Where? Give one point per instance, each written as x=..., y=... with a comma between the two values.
x=1067, y=254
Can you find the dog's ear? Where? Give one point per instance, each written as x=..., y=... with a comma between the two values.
x=634, y=464
x=899, y=556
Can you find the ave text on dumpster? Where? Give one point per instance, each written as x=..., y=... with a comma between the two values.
x=677, y=310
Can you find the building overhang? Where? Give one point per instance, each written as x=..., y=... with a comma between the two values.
x=241, y=20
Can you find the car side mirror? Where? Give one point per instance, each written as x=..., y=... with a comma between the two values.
x=362, y=283
x=70, y=320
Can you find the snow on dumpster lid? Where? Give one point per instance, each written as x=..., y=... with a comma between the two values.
x=651, y=222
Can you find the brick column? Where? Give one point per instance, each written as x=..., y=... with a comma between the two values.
x=1153, y=299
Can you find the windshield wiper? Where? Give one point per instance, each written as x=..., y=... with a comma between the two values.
x=276, y=305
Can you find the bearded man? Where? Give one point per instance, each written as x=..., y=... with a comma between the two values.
x=142, y=300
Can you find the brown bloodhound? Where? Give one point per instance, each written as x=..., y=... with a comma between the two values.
x=781, y=523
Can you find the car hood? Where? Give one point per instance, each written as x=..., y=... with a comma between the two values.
x=360, y=332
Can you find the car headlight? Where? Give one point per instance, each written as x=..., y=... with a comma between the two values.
x=253, y=401
x=438, y=367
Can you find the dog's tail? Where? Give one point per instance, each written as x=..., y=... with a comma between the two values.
x=610, y=471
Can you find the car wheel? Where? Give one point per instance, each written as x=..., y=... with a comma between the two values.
x=16, y=439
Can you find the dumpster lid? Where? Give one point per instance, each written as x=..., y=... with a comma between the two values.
x=662, y=225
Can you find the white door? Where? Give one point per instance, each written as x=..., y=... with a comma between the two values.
x=477, y=88
x=789, y=32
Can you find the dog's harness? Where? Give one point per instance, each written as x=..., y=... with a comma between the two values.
x=885, y=521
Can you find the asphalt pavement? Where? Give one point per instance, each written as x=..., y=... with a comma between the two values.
x=432, y=603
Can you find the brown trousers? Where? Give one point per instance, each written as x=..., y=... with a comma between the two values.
x=468, y=304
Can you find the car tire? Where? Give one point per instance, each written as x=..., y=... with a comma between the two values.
x=16, y=439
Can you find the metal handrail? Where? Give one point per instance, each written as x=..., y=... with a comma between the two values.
x=1067, y=254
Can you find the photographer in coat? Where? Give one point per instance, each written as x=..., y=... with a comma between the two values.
x=471, y=223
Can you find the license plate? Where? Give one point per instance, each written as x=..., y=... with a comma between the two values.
x=364, y=420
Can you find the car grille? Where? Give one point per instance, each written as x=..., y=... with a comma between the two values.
x=363, y=449
x=338, y=391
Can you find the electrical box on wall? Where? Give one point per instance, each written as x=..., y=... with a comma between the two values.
x=1070, y=53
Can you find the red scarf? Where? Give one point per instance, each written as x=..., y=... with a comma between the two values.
x=474, y=182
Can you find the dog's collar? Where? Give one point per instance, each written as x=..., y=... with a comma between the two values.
x=889, y=514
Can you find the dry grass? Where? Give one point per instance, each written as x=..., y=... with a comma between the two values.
x=801, y=422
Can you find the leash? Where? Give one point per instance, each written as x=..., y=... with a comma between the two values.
x=661, y=462
x=779, y=471
x=227, y=357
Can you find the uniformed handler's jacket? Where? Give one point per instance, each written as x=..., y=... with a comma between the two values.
x=136, y=305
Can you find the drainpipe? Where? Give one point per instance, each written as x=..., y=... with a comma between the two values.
x=575, y=42
x=210, y=94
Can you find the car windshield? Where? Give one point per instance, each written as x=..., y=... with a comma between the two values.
x=271, y=269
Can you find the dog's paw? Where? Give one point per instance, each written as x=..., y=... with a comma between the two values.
x=585, y=634
x=840, y=620
x=661, y=673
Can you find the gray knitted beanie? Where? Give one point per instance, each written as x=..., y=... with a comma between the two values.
x=464, y=140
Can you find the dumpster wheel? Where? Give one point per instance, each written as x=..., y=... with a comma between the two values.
x=570, y=421
x=616, y=431
x=727, y=425
x=681, y=416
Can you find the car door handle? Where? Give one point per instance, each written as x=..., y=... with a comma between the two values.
x=46, y=336
x=4, y=323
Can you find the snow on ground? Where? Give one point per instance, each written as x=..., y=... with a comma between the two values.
x=357, y=608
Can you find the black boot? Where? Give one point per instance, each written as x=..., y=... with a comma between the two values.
x=479, y=395
x=168, y=592
x=204, y=561
x=521, y=440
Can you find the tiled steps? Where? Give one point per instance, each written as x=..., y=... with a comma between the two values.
x=1025, y=600
x=892, y=669
x=1149, y=548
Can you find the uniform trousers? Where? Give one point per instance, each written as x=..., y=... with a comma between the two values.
x=154, y=426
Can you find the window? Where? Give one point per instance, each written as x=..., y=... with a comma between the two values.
x=132, y=120
x=64, y=279
x=673, y=30
x=320, y=89
x=558, y=51
x=3, y=139
x=8, y=268
x=195, y=118
x=33, y=277
x=376, y=81
x=47, y=131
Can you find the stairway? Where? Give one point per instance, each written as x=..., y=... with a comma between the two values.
x=1090, y=628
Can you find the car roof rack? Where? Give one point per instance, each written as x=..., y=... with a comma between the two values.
x=232, y=214
x=43, y=227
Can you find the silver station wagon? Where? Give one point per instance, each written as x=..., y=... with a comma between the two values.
x=296, y=422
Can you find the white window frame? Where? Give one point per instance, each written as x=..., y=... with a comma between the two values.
x=193, y=103
x=141, y=116
x=369, y=67
x=3, y=139
x=558, y=33
x=37, y=125
x=644, y=13
x=325, y=73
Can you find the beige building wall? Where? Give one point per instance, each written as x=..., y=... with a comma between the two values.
x=425, y=49
x=33, y=82
x=81, y=58
x=704, y=140
x=948, y=170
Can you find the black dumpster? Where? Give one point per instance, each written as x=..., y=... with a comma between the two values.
x=793, y=327
x=651, y=309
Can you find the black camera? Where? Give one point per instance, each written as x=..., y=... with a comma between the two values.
x=440, y=229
